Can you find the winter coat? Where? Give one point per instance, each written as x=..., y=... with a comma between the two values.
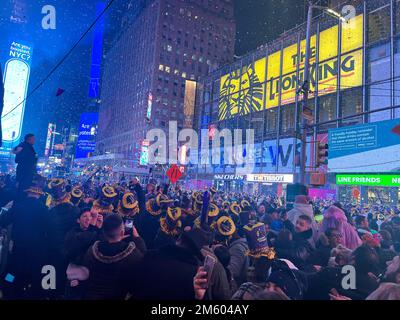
x=62, y=218
x=148, y=226
x=165, y=274
x=305, y=209
x=28, y=218
x=162, y=239
x=297, y=251
x=78, y=241
x=219, y=286
x=110, y=266
x=26, y=161
x=239, y=263
x=321, y=255
x=328, y=278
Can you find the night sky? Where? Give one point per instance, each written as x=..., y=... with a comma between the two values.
x=261, y=21
x=258, y=21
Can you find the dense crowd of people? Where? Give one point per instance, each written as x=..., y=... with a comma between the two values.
x=161, y=242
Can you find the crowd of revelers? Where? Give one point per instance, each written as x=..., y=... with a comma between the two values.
x=131, y=241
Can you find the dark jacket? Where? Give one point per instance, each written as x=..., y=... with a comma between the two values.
x=166, y=274
x=321, y=255
x=110, y=265
x=78, y=241
x=297, y=251
x=219, y=286
x=26, y=160
x=29, y=219
x=162, y=239
x=146, y=224
x=328, y=278
x=239, y=263
x=62, y=218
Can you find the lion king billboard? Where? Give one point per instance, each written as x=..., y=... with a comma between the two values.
x=269, y=81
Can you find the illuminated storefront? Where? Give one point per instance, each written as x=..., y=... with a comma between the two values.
x=369, y=188
x=354, y=67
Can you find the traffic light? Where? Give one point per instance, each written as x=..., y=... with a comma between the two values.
x=322, y=154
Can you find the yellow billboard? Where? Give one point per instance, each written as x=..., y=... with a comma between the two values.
x=242, y=91
x=285, y=73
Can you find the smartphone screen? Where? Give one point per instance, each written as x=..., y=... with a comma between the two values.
x=209, y=263
x=128, y=224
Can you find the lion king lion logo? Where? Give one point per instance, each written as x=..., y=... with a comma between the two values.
x=250, y=97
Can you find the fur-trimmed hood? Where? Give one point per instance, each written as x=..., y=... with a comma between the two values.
x=105, y=252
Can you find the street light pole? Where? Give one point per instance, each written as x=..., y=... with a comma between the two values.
x=305, y=88
x=306, y=84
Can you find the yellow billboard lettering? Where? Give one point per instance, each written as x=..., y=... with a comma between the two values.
x=284, y=79
x=350, y=67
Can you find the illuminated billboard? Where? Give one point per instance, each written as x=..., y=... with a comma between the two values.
x=189, y=102
x=144, y=153
x=249, y=80
x=87, y=135
x=16, y=80
x=373, y=147
x=50, y=132
x=278, y=78
x=149, y=106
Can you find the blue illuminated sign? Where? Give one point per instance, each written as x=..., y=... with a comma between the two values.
x=16, y=80
x=87, y=134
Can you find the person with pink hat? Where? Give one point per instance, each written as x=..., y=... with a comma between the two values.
x=336, y=218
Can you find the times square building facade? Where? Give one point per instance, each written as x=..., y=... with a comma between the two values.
x=355, y=68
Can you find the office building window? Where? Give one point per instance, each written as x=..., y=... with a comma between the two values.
x=378, y=75
x=379, y=25
x=351, y=104
x=287, y=118
x=327, y=110
x=397, y=74
x=271, y=121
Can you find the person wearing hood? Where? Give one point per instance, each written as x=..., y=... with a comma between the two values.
x=336, y=218
x=301, y=206
x=111, y=261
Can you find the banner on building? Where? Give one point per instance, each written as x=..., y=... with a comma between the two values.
x=373, y=147
x=16, y=81
x=87, y=135
x=189, y=102
x=266, y=82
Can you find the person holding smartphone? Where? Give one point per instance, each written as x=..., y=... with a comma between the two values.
x=113, y=260
x=77, y=242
